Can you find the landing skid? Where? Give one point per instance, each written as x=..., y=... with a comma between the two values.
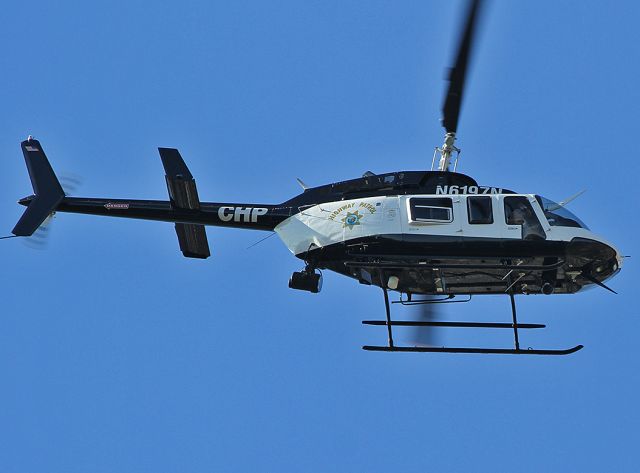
x=490, y=351
x=391, y=347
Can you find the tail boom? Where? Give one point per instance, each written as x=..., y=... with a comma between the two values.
x=249, y=216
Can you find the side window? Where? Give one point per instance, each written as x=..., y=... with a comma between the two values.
x=434, y=209
x=518, y=211
x=480, y=209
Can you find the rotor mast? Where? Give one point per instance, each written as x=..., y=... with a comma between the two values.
x=453, y=97
x=446, y=152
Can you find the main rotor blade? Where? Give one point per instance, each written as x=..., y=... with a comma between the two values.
x=427, y=336
x=457, y=74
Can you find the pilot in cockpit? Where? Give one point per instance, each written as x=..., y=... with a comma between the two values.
x=520, y=212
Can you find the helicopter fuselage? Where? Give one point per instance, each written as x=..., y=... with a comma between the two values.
x=416, y=232
x=401, y=243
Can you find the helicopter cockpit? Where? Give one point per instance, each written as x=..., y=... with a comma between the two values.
x=559, y=216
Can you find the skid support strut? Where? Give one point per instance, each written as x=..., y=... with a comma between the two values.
x=515, y=320
x=386, y=306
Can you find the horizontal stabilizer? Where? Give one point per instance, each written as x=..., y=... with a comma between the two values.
x=193, y=240
x=173, y=163
x=180, y=182
x=48, y=191
x=184, y=196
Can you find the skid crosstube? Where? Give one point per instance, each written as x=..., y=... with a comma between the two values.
x=486, y=351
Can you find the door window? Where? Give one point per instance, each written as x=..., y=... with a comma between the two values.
x=480, y=210
x=518, y=211
x=434, y=209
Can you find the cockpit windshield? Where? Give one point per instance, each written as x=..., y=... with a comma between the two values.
x=559, y=216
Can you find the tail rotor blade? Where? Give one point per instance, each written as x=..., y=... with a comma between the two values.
x=70, y=183
x=40, y=238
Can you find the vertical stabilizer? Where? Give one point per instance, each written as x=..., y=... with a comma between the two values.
x=47, y=190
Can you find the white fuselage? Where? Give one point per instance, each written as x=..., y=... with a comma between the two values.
x=341, y=221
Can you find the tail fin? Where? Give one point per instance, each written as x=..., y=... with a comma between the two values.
x=48, y=191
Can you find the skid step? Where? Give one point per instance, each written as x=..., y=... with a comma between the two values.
x=489, y=351
x=411, y=323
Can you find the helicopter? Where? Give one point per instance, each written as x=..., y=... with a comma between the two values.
x=433, y=237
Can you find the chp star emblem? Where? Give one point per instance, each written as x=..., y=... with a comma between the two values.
x=351, y=219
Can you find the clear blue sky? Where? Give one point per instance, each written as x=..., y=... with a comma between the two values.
x=119, y=355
